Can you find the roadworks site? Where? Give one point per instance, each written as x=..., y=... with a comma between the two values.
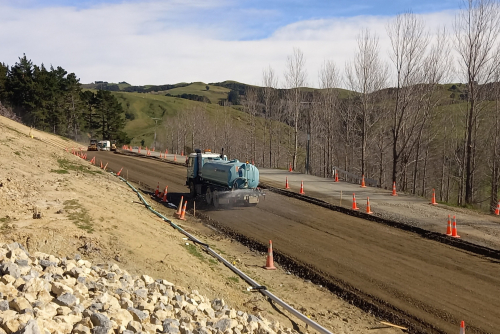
x=58, y=213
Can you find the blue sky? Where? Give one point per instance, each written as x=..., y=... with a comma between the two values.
x=168, y=41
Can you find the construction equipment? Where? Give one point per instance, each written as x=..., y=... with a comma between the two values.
x=104, y=145
x=93, y=145
x=220, y=181
x=113, y=145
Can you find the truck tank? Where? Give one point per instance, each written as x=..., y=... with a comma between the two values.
x=231, y=174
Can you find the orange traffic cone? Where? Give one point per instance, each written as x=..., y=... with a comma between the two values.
x=394, y=189
x=139, y=150
x=183, y=212
x=454, y=229
x=161, y=156
x=497, y=210
x=302, y=188
x=462, y=327
x=290, y=168
x=286, y=183
x=448, y=227
x=166, y=152
x=119, y=172
x=153, y=149
x=363, y=182
x=101, y=164
x=182, y=153
x=157, y=189
x=433, y=202
x=106, y=165
x=269, y=261
x=368, y=210
x=336, y=176
x=179, y=209
x=175, y=157
x=354, y=206
x=165, y=195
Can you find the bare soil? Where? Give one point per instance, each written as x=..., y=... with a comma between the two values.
x=86, y=211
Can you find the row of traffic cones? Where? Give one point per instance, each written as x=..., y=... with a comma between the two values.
x=162, y=195
x=287, y=186
x=452, y=231
x=355, y=206
x=181, y=212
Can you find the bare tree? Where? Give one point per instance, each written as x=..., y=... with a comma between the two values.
x=436, y=69
x=295, y=77
x=408, y=45
x=495, y=163
x=477, y=27
x=270, y=82
x=251, y=107
x=329, y=81
x=366, y=74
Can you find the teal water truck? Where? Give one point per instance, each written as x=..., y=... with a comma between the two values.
x=222, y=182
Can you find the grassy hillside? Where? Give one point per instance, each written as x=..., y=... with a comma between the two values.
x=145, y=107
x=214, y=93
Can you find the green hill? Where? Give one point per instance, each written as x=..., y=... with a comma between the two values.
x=214, y=93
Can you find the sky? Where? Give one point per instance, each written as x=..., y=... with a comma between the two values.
x=170, y=41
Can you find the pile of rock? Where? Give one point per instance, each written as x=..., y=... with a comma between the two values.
x=40, y=293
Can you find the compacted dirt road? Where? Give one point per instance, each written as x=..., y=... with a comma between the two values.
x=423, y=284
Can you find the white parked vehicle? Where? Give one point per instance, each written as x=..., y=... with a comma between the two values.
x=104, y=145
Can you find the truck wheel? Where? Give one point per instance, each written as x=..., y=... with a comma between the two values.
x=216, y=199
x=208, y=196
x=192, y=189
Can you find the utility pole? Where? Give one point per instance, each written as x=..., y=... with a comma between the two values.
x=156, y=123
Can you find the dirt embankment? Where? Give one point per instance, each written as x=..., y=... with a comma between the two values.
x=85, y=211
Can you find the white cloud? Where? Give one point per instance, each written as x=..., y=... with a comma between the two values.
x=169, y=41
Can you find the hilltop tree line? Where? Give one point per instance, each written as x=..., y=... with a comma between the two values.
x=396, y=122
x=53, y=100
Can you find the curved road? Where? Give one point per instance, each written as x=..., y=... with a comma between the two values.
x=429, y=284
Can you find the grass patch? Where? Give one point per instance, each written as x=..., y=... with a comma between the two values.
x=5, y=219
x=193, y=250
x=17, y=153
x=214, y=262
x=59, y=171
x=66, y=165
x=234, y=279
x=79, y=215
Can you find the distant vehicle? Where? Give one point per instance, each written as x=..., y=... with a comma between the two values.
x=222, y=182
x=113, y=146
x=104, y=145
x=93, y=145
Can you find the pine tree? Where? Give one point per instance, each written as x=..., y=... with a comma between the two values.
x=19, y=85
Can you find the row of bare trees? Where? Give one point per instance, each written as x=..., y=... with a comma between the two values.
x=393, y=122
